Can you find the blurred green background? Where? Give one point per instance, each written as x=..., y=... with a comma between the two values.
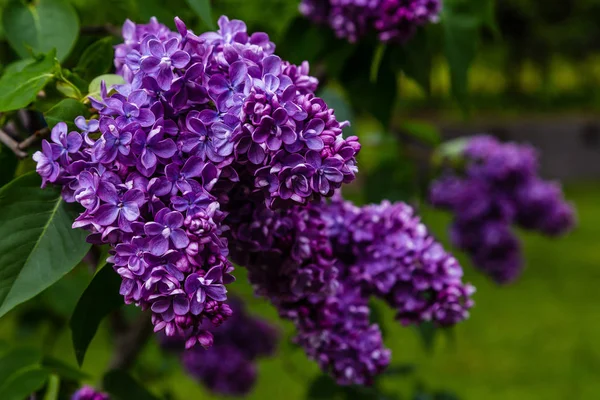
x=534, y=339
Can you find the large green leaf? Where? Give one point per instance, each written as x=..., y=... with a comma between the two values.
x=20, y=373
x=99, y=299
x=17, y=359
x=8, y=165
x=203, y=9
x=38, y=245
x=41, y=26
x=122, y=386
x=377, y=98
x=24, y=382
x=65, y=111
x=415, y=59
x=96, y=60
x=63, y=369
x=20, y=88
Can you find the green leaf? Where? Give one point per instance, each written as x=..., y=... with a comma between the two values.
x=8, y=165
x=41, y=26
x=109, y=79
x=461, y=38
x=38, y=245
x=20, y=88
x=322, y=388
x=203, y=9
x=15, y=360
x=123, y=387
x=65, y=111
x=17, y=66
x=100, y=298
x=64, y=370
x=424, y=132
x=96, y=60
x=376, y=64
x=415, y=59
x=23, y=382
x=427, y=332
x=378, y=98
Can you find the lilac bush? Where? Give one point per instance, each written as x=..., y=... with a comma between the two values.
x=390, y=20
x=215, y=148
x=497, y=187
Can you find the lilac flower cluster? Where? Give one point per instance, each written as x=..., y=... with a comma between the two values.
x=89, y=393
x=228, y=367
x=320, y=264
x=198, y=116
x=390, y=20
x=499, y=187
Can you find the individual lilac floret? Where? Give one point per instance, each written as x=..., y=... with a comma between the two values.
x=391, y=20
x=198, y=117
x=497, y=188
x=89, y=393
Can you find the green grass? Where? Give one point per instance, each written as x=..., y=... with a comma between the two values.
x=535, y=339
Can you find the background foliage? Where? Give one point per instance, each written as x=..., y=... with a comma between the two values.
x=515, y=57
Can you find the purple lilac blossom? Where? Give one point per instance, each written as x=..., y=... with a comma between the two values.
x=320, y=264
x=390, y=20
x=498, y=188
x=198, y=116
x=228, y=367
x=89, y=393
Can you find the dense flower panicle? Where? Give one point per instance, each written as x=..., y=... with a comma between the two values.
x=499, y=187
x=228, y=367
x=198, y=116
x=320, y=264
x=89, y=393
x=390, y=20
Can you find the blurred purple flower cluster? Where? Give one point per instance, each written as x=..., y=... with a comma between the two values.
x=89, y=393
x=197, y=117
x=228, y=367
x=320, y=265
x=390, y=20
x=500, y=187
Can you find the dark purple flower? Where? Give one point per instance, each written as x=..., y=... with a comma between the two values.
x=294, y=178
x=152, y=145
x=63, y=143
x=113, y=141
x=328, y=173
x=166, y=229
x=172, y=305
x=228, y=90
x=162, y=58
x=275, y=130
x=213, y=143
x=201, y=287
x=121, y=207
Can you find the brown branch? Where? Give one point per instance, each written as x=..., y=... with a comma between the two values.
x=129, y=343
x=33, y=138
x=12, y=144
